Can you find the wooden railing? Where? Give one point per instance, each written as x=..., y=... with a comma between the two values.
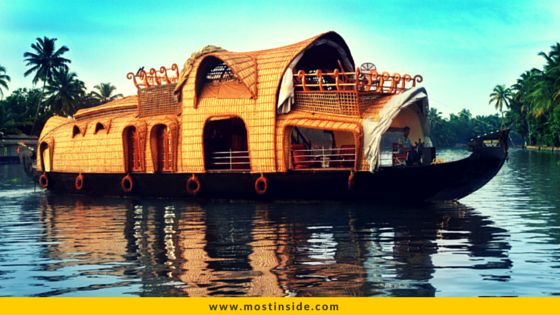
x=382, y=83
x=346, y=93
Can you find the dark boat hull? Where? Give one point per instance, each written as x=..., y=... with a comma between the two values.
x=445, y=181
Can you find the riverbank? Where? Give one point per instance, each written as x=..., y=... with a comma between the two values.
x=542, y=148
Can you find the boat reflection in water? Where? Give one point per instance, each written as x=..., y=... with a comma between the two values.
x=176, y=248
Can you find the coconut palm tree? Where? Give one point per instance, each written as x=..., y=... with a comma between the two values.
x=501, y=97
x=104, y=92
x=4, y=79
x=64, y=92
x=45, y=60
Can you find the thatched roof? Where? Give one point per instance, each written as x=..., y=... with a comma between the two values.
x=248, y=66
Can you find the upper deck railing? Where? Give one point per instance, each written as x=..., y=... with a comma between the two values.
x=382, y=83
x=347, y=93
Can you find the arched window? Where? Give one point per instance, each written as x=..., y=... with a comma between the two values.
x=98, y=126
x=215, y=79
x=161, y=144
x=75, y=131
x=134, y=157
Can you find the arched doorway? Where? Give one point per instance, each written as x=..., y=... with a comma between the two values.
x=44, y=153
x=161, y=148
x=131, y=150
x=225, y=144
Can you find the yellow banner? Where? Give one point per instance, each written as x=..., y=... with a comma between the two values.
x=326, y=306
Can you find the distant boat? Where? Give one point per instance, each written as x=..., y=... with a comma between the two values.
x=300, y=121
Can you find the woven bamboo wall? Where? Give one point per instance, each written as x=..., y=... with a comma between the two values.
x=259, y=115
x=89, y=153
x=101, y=151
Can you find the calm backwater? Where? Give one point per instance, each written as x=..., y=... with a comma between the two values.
x=503, y=240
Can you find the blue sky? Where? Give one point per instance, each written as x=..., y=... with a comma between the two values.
x=462, y=48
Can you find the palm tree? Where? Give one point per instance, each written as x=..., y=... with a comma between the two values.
x=64, y=92
x=500, y=96
x=45, y=61
x=552, y=69
x=4, y=79
x=104, y=92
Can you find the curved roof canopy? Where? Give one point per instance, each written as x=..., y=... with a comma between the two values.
x=248, y=66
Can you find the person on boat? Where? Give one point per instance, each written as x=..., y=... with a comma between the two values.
x=405, y=141
x=407, y=147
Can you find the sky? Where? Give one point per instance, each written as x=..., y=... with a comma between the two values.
x=461, y=48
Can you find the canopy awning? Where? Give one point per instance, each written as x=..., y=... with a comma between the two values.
x=374, y=129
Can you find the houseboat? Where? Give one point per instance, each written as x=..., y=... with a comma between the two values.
x=299, y=121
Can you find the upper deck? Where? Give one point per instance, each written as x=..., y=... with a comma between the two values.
x=348, y=93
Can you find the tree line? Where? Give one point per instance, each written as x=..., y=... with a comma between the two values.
x=459, y=128
x=531, y=106
x=61, y=93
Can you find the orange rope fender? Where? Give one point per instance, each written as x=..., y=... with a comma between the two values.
x=193, y=185
x=79, y=182
x=43, y=181
x=127, y=183
x=261, y=185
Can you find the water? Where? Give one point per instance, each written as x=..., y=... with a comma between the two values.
x=503, y=240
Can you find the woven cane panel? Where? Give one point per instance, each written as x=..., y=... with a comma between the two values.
x=337, y=103
x=157, y=100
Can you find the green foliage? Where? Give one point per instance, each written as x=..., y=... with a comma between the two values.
x=459, y=128
x=104, y=92
x=534, y=111
x=4, y=79
x=64, y=92
x=17, y=112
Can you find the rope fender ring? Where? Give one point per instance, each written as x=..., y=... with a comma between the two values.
x=193, y=185
x=43, y=181
x=261, y=185
x=127, y=183
x=79, y=182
